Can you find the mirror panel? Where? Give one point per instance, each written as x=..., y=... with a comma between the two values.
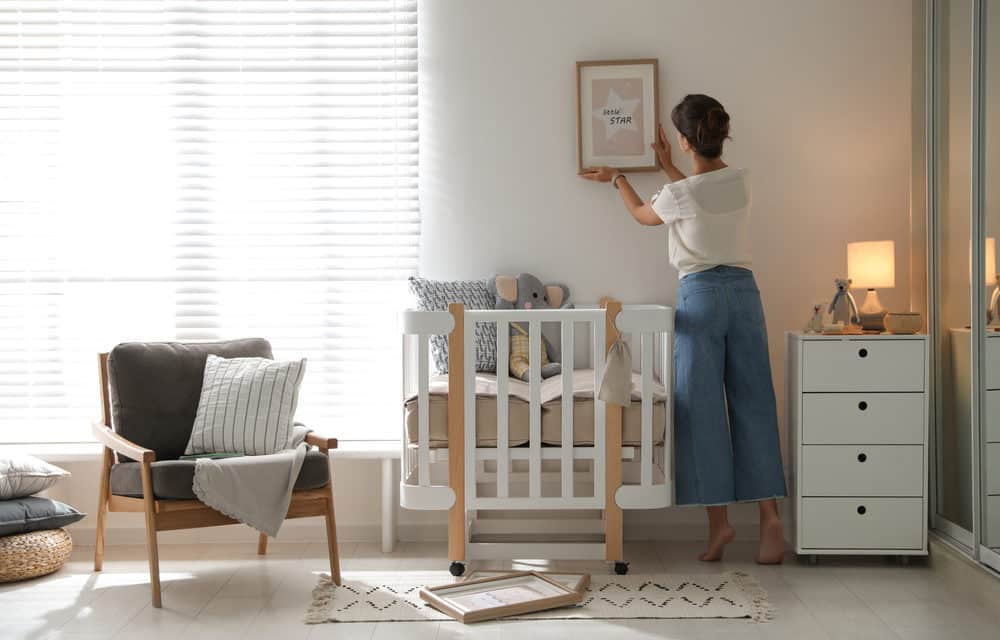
x=954, y=416
x=990, y=434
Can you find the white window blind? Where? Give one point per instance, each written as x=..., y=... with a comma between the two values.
x=203, y=170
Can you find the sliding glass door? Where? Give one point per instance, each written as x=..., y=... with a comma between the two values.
x=963, y=39
x=952, y=22
x=989, y=158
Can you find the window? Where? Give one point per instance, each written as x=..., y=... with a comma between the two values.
x=199, y=170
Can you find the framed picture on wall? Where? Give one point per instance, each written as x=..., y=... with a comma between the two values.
x=617, y=113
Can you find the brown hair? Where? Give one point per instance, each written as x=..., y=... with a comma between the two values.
x=704, y=122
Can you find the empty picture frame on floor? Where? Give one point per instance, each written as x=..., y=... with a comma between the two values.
x=510, y=594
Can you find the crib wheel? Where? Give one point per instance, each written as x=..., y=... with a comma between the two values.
x=457, y=568
x=621, y=568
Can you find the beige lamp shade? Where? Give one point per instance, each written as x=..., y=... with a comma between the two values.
x=991, y=261
x=872, y=265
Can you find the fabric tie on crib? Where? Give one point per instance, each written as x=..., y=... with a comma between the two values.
x=616, y=379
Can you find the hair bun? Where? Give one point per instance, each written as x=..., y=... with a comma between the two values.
x=716, y=124
x=717, y=115
x=704, y=122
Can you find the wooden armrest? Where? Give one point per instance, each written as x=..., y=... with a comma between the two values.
x=324, y=444
x=115, y=442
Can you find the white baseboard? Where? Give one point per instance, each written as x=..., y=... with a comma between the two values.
x=308, y=532
x=227, y=534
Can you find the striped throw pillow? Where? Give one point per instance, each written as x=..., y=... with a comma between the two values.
x=247, y=406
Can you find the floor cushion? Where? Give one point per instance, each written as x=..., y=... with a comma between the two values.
x=172, y=479
x=22, y=515
x=23, y=475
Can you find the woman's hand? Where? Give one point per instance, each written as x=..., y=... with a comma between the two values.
x=662, y=148
x=598, y=174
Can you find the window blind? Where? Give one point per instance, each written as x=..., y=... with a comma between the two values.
x=205, y=170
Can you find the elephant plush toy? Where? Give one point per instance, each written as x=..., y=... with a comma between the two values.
x=525, y=291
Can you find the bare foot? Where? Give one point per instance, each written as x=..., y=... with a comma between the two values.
x=772, y=543
x=717, y=544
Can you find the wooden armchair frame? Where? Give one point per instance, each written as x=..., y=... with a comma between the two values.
x=168, y=515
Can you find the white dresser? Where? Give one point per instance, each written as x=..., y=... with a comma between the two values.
x=857, y=410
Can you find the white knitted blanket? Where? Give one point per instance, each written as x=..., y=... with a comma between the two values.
x=255, y=490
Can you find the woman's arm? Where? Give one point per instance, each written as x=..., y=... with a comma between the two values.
x=642, y=212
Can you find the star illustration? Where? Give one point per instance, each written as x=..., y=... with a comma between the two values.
x=617, y=114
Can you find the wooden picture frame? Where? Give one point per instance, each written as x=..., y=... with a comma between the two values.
x=574, y=581
x=509, y=594
x=617, y=113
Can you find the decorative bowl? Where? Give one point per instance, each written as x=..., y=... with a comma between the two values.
x=872, y=321
x=903, y=322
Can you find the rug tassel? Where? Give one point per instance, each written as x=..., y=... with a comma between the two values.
x=322, y=599
x=763, y=610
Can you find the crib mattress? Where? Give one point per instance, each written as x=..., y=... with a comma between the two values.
x=519, y=407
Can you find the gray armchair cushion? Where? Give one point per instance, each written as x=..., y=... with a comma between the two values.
x=155, y=388
x=172, y=479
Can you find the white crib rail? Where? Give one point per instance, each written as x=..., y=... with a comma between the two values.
x=651, y=326
x=503, y=415
x=649, y=322
x=422, y=495
x=567, y=453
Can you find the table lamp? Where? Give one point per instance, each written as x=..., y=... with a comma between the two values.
x=872, y=265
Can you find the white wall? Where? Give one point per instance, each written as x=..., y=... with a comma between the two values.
x=820, y=98
x=819, y=92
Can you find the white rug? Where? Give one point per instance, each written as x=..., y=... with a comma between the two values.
x=393, y=597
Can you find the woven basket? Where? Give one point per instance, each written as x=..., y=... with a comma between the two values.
x=29, y=555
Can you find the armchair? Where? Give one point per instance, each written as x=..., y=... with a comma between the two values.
x=150, y=393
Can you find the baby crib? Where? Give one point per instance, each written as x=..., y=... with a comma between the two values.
x=546, y=480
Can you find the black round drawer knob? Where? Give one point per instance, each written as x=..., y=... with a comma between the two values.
x=862, y=405
x=862, y=353
x=862, y=510
x=862, y=457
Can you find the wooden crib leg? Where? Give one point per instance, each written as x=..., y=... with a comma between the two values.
x=456, y=437
x=613, y=545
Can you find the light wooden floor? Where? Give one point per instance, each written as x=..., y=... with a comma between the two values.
x=226, y=591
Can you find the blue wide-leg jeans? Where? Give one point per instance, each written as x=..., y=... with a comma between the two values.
x=725, y=420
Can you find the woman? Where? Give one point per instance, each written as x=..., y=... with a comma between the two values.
x=726, y=424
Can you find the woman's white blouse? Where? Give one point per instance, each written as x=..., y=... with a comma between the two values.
x=708, y=220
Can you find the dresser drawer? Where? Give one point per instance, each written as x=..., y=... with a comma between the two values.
x=992, y=363
x=862, y=470
x=993, y=521
x=863, y=418
x=862, y=523
x=863, y=365
x=993, y=416
x=993, y=468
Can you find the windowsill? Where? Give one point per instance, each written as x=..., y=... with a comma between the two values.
x=83, y=451
x=57, y=451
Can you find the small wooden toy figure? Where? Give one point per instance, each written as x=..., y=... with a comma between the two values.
x=816, y=321
x=843, y=307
